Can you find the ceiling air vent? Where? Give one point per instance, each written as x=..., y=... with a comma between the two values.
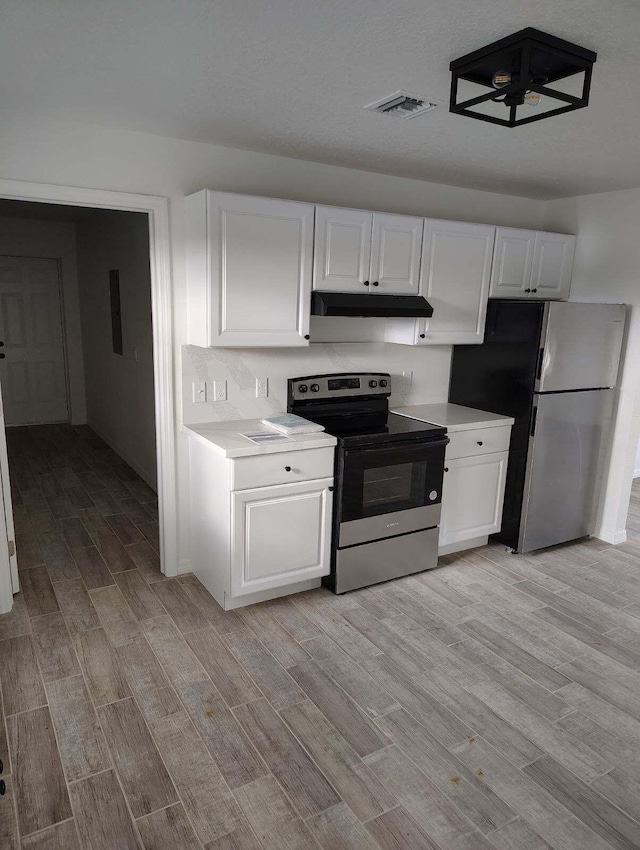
x=402, y=105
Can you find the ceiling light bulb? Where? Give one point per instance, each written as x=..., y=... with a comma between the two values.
x=532, y=98
x=500, y=79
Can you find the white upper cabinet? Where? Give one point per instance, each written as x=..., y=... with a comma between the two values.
x=358, y=251
x=531, y=264
x=342, y=255
x=395, y=254
x=454, y=278
x=552, y=265
x=512, y=260
x=249, y=270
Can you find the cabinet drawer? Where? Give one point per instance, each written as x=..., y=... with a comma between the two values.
x=478, y=441
x=282, y=468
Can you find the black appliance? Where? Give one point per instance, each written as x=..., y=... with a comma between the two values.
x=388, y=476
x=354, y=304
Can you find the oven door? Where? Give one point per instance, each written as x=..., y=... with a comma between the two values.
x=390, y=490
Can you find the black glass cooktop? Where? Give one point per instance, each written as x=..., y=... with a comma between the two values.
x=387, y=427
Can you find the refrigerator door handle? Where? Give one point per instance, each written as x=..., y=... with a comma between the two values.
x=540, y=363
x=534, y=416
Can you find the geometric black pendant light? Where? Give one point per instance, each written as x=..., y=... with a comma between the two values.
x=524, y=77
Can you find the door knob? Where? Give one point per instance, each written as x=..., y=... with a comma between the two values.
x=480, y=443
x=527, y=290
x=1, y=343
x=376, y=283
x=2, y=356
x=366, y=283
x=287, y=469
x=446, y=469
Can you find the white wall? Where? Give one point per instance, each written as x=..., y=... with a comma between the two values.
x=607, y=269
x=119, y=388
x=49, y=151
x=636, y=470
x=32, y=238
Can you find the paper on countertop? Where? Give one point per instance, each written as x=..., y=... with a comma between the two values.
x=260, y=437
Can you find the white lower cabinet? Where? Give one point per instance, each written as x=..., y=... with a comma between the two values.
x=260, y=524
x=280, y=535
x=472, y=498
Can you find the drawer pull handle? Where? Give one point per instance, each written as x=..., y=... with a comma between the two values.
x=480, y=443
x=3, y=788
x=331, y=489
x=446, y=469
x=287, y=469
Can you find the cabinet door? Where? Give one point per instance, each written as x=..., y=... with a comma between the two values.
x=454, y=277
x=281, y=535
x=552, y=265
x=342, y=253
x=395, y=254
x=261, y=255
x=472, y=497
x=512, y=259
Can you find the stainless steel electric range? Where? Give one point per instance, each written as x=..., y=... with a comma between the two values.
x=388, y=478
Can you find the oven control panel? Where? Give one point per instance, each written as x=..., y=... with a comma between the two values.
x=348, y=385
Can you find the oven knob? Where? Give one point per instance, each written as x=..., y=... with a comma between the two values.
x=433, y=495
x=302, y=388
x=373, y=383
x=384, y=382
x=315, y=388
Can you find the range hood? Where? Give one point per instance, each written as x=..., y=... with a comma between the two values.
x=382, y=306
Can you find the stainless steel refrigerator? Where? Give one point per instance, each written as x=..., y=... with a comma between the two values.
x=551, y=365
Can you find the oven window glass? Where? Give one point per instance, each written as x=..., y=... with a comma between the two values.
x=384, y=481
x=387, y=485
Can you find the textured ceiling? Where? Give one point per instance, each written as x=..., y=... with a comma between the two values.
x=290, y=77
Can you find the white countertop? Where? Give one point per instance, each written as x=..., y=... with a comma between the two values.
x=454, y=417
x=226, y=438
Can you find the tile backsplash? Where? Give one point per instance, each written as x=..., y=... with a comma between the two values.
x=240, y=368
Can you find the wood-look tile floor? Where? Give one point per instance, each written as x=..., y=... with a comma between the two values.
x=492, y=703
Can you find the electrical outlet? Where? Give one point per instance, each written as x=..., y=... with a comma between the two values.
x=219, y=390
x=407, y=380
x=199, y=390
x=262, y=387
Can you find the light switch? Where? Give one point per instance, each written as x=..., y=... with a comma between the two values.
x=199, y=389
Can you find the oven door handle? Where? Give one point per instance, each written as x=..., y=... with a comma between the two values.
x=400, y=447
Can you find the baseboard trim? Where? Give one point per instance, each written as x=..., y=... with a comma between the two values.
x=132, y=463
x=185, y=566
x=613, y=537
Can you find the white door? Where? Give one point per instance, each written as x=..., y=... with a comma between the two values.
x=280, y=535
x=342, y=253
x=454, y=278
x=395, y=254
x=512, y=259
x=472, y=497
x=261, y=267
x=32, y=359
x=8, y=561
x=552, y=265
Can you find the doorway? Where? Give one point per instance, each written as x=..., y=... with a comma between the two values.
x=155, y=214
